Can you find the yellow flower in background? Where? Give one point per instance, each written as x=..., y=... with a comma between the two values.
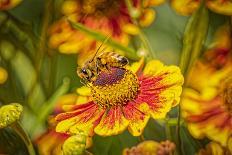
x=8, y=4
x=122, y=99
x=187, y=7
x=214, y=148
x=207, y=107
x=109, y=17
x=151, y=148
x=215, y=58
x=3, y=75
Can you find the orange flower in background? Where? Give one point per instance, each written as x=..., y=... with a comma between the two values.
x=3, y=75
x=215, y=58
x=151, y=148
x=109, y=17
x=187, y=7
x=8, y=4
x=207, y=108
x=214, y=148
x=122, y=99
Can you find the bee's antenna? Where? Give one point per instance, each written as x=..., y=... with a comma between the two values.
x=100, y=47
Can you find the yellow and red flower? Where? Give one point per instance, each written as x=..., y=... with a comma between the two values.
x=124, y=98
x=8, y=4
x=187, y=7
x=207, y=106
x=109, y=17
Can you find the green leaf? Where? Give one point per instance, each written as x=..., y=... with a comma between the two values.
x=194, y=37
x=130, y=53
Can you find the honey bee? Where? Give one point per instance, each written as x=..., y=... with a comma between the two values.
x=104, y=61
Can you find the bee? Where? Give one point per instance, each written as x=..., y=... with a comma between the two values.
x=104, y=61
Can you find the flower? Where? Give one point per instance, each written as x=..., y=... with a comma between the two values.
x=109, y=17
x=187, y=7
x=216, y=61
x=214, y=148
x=3, y=75
x=151, y=148
x=207, y=104
x=10, y=114
x=124, y=98
x=9, y=4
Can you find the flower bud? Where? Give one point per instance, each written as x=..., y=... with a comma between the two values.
x=74, y=145
x=10, y=114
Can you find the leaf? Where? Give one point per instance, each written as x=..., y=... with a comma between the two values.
x=194, y=37
x=130, y=53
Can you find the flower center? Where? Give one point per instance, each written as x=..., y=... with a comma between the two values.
x=115, y=87
x=227, y=95
x=100, y=7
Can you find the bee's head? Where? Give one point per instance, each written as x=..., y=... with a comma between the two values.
x=124, y=61
x=84, y=73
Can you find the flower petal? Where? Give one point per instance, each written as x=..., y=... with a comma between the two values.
x=221, y=7
x=136, y=67
x=184, y=7
x=83, y=118
x=112, y=123
x=161, y=87
x=84, y=91
x=137, y=117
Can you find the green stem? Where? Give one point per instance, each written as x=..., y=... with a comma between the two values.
x=88, y=153
x=41, y=49
x=19, y=130
x=130, y=53
x=194, y=37
x=142, y=36
x=141, y=138
x=50, y=104
x=167, y=128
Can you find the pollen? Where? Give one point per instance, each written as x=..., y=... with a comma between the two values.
x=115, y=87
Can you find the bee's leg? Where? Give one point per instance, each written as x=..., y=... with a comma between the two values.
x=85, y=82
x=98, y=65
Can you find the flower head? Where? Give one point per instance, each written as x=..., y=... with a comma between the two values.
x=10, y=114
x=214, y=148
x=151, y=147
x=187, y=7
x=207, y=105
x=109, y=17
x=8, y=4
x=122, y=99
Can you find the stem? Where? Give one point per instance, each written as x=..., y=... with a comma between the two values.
x=142, y=36
x=194, y=37
x=88, y=153
x=19, y=130
x=130, y=53
x=178, y=131
x=167, y=128
x=141, y=138
x=48, y=106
